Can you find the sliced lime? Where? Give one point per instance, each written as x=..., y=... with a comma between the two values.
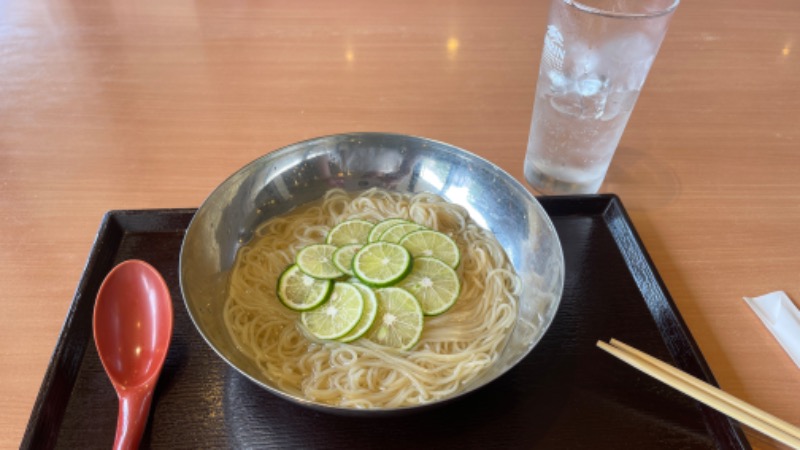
x=433, y=283
x=396, y=232
x=380, y=227
x=367, y=318
x=432, y=243
x=343, y=257
x=316, y=260
x=353, y=231
x=399, y=321
x=301, y=292
x=381, y=263
x=337, y=316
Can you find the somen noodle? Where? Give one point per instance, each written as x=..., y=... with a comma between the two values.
x=455, y=347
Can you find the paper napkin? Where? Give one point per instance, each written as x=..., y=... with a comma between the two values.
x=781, y=318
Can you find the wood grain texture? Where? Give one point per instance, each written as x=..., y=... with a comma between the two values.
x=123, y=105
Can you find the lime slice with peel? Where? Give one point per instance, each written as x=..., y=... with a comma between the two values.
x=380, y=227
x=381, y=263
x=301, y=292
x=434, y=284
x=367, y=317
x=434, y=244
x=396, y=232
x=399, y=320
x=343, y=257
x=353, y=231
x=399, y=272
x=316, y=260
x=338, y=315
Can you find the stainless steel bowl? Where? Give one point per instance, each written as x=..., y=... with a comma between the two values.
x=300, y=173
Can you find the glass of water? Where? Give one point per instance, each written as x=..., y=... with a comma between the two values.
x=596, y=56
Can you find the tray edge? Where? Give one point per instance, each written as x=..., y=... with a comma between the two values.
x=45, y=420
x=685, y=350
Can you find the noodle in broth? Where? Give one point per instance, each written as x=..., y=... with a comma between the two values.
x=455, y=347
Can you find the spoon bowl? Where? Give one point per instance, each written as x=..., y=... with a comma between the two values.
x=132, y=330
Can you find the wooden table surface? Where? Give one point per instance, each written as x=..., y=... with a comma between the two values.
x=125, y=105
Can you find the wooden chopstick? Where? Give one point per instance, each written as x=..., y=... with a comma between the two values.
x=705, y=393
x=712, y=390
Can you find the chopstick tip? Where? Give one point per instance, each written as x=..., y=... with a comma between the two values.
x=602, y=344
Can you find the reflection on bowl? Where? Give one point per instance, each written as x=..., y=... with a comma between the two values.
x=301, y=173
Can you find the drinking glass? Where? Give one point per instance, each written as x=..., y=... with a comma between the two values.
x=596, y=56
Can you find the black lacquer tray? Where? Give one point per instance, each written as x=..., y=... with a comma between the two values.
x=566, y=394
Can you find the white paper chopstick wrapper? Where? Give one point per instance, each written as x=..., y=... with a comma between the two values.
x=781, y=318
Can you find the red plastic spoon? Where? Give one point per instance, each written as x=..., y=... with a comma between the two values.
x=132, y=330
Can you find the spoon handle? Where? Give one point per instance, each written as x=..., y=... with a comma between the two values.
x=134, y=409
